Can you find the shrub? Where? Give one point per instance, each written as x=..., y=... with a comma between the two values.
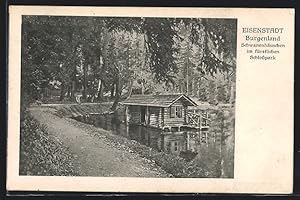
x=41, y=153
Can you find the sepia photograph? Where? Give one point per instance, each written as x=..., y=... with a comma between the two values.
x=150, y=99
x=127, y=96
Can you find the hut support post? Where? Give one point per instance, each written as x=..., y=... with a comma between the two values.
x=162, y=117
x=147, y=116
x=200, y=123
x=185, y=114
x=126, y=115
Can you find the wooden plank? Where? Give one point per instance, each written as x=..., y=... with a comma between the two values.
x=162, y=117
x=185, y=114
x=134, y=115
x=177, y=103
x=145, y=104
x=173, y=121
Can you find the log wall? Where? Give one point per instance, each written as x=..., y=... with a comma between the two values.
x=154, y=116
x=134, y=114
x=168, y=121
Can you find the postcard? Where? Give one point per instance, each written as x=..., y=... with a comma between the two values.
x=150, y=99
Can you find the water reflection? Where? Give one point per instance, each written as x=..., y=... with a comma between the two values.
x=190, y=145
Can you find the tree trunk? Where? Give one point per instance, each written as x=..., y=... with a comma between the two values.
x=231, y=97
x=143, y=87
x=100, y=92
x=231, y=92
x=118, y=94
x=69, y=90
x=216, y=93
x=199, y=87
x=187, y=80
x=112, y=90
x=196, y=87
x=73, y=89
x=222, y=141
x=181, y=86
x=84, y=95
x=193, y=86
x=130, y=88
x=187, y=76
x=105, y=61
x=62, y=92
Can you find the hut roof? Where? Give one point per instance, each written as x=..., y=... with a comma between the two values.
x=158, y=100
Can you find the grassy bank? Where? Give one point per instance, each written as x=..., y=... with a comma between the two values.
x=73, y=110
x=41, y=153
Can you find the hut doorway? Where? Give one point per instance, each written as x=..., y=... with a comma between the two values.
x=143, y=114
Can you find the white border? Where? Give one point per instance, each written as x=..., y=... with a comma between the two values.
x=263, y=151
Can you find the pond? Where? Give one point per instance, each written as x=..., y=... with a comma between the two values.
x=208, y=146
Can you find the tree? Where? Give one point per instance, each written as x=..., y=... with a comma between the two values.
x=167, y=52
x=222, y=124
x=54, y=47
x=123, y=53
x=160, y=34
x=188, y=60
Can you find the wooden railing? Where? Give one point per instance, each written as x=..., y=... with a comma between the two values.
x=198, y=119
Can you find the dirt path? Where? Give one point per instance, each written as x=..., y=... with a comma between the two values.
x=94, y=155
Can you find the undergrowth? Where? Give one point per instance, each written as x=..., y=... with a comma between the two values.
x=40, y=153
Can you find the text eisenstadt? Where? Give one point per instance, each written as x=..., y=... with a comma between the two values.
x=256, y=31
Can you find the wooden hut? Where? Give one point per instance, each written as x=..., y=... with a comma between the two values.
x=160, y=111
